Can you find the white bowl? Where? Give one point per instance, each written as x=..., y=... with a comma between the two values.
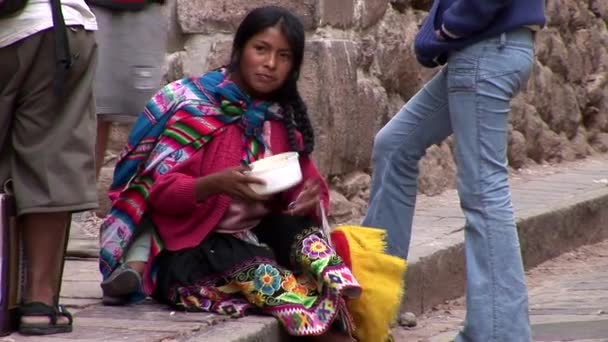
x=280, y=172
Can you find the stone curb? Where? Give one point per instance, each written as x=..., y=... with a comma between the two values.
x=544, y=234
x=246, y=329
x=433, y=279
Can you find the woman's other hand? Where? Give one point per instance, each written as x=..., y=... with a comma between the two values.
x=233, y=182
x=307, y=201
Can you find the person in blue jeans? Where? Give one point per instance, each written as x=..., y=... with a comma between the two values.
x=487, y=47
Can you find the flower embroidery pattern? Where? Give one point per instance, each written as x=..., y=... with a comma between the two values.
x=308, y=282
x=290, y=284
x=300, y=290
x=315, y=248
x=267, y=279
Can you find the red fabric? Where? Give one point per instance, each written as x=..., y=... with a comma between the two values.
x=182, y=222
x=340, y=243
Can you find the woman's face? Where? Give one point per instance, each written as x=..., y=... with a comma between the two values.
x=266, y=62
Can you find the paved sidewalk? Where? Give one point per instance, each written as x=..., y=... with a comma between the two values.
x=558, y=209
x=145, y=322
x=568, y=302
x=572, y=303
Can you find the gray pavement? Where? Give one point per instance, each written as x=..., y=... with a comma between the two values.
x=568, y=302
x=558, y=209
x=571, y=304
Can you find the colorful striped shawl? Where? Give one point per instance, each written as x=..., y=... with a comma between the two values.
x=175, y=123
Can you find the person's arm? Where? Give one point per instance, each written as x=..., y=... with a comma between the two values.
x=466, y=17
x=185, y=190
x=175, y=193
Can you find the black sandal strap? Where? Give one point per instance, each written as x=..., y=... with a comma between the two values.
x=38, y=309
x=62, y=311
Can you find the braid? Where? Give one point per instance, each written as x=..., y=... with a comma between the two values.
x=303, y=124
x=290, y=124
x=296, y=119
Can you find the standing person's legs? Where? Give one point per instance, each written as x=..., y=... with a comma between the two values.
x=398, y=147
x=101, y=144
x=482, y=80
x=131, y=52
x=49, y=156
x=132, y=48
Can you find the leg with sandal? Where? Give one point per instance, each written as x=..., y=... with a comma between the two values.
x=46, y=151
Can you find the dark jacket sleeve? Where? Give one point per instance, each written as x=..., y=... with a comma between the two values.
x=466, y=17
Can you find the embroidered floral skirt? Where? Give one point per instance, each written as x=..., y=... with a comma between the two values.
x=284, y=268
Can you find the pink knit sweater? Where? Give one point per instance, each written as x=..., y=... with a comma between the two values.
x=182, y=222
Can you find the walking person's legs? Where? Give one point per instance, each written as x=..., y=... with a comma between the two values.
x=132, y=48
x=482, y=80
x=398, y=147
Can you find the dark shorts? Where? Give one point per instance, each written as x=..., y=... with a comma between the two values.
x=47, y=141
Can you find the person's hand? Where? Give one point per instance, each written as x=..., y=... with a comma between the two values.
x=439, y=35
x=307, y=201
x=233, y=182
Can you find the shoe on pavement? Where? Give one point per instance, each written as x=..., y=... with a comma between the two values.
x=123, y=283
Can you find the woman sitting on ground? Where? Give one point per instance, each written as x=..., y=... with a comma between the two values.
x=221, y=247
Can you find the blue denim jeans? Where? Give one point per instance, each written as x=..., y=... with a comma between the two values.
x=470, y=98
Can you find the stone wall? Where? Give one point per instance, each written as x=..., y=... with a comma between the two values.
x=360, y=69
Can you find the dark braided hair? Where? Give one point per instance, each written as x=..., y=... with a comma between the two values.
x=296, y=114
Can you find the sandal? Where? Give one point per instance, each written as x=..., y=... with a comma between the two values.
x=38, y=309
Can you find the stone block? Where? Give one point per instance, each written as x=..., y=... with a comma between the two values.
x=517, y=149
x=328, y=85
x=197, y=49
x=202, y=53
x=400, y=5
x=600, y=142
x=372, y=12
x=337, y=13
x=175, y=38
x=219, y=54
x=437, y=170
x=367, y=49
x=203, y=16
x=174, y=66
x=395, y=64
x=552, y=51
x=556, y=101
x=599, y=8
x=370, y=115
x=592, y=45
x=340, y=208
x=353, y=184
